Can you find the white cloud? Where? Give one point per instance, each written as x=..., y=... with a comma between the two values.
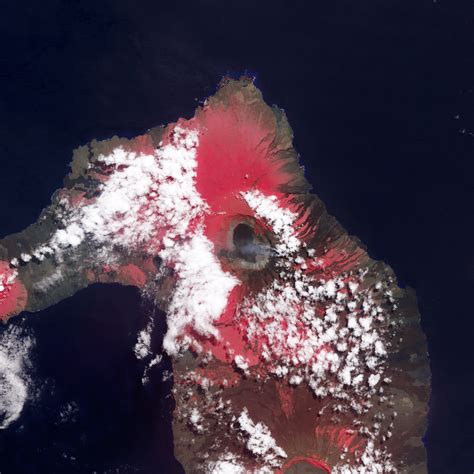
x=143, y=344
x=281, y=220
x=48, y=282
x=142, y=194
x=149, y=203
x=15, y=347
x=259, y=440
x=331, y=351
x=226, y=464
x=201, y=292
x=241, y=363
x=372, y=461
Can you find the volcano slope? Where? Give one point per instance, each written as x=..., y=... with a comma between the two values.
x=293, y=350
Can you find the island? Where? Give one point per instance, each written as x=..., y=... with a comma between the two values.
x=293, y=350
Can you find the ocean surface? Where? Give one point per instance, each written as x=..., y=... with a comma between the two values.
x=380, y=98
x=88, y=410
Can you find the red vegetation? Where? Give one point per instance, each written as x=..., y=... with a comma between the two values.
x=236, y=153
x=342, y=438
x=13, y=294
